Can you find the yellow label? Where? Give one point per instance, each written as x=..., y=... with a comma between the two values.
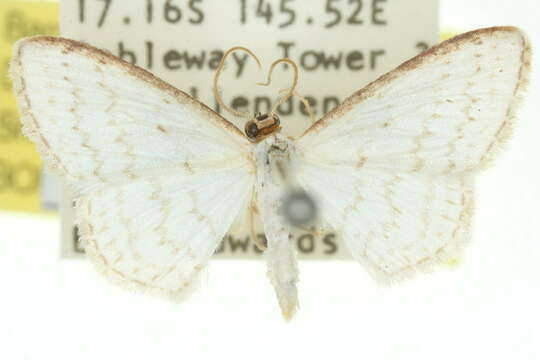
x=20, y=166
x=447, y=34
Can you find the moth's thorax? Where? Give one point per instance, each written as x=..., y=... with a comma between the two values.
x=278, y=191
x=276, y=158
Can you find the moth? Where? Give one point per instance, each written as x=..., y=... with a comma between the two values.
x=159, y=178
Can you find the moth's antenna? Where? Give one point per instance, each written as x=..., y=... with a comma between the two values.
x=291, y=89
x=219, y=70
x=304, y=101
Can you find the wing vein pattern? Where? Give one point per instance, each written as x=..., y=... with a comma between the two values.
x=158, y=177
x=393, y=165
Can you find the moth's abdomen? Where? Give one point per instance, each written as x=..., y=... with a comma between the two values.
x=275, y=174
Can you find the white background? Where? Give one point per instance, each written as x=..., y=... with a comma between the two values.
x=485, y=308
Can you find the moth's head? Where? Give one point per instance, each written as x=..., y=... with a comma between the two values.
x=261, y=126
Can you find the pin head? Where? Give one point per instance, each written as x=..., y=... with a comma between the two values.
x=299, y=208
x=261, y=126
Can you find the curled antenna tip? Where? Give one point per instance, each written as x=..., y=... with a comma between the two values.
x=244, y=49
x=219, y=70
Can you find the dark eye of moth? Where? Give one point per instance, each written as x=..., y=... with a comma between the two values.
x=252, y=130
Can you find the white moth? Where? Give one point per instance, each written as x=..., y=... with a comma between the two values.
x=160, y=178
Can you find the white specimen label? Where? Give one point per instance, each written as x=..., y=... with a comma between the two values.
x=339, y=45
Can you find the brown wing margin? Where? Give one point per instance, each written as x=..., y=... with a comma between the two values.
x=441, y=49
x=105, y=58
